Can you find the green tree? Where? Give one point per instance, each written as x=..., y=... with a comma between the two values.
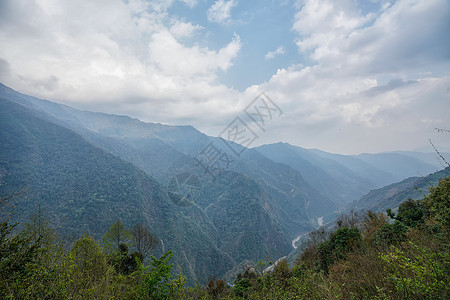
x=438, y=202
x=260, y=267
x=411, y=213
x=338, y=245
x=126, y=263
x=17, y=252
x=90, y=271
x=157, y=281
x=389, y=234
x=116, y=235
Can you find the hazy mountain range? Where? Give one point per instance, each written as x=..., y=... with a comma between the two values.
x=87, y=169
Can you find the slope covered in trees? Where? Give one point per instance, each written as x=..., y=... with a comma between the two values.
x=165, y=152
x=87, y=170
x=346, y=178
x=84, y=189
x=392, y=195
x=371, y=258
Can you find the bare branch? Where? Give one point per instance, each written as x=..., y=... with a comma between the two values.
x=440, y=155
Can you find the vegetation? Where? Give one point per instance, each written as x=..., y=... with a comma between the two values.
x=373, y=258
x=88, y=193
x=35, y=265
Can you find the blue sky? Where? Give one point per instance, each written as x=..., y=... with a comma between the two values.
x=350, y=76
x=263, y=26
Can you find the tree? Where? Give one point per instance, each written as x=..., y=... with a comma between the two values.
x=116, y=235
x=89, y=267
x=260, y=266
x=157, y=283
x=341, y=242
x=411, y=213
x=125, y=263
x=389, y=234
x=144, y=240
x=438, y=202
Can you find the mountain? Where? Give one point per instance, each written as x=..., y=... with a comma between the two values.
x=392, y=195
x=166, y=151
x=84, y=189
x=88, y=169
x=402, y=164
x=345, y=178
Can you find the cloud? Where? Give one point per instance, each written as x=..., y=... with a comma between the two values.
x=391, y=85
x=190, y=3
x=117, y=57
x=5, y=68
x=184, y=30
x=220, y=11
x=362, y=81
x=271, y=54
x=341, y=99
x=172, y=58
x=397, y=37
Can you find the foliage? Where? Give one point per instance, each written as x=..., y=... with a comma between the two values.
x=391, y=233
x=156, y=279
x=408, y=259
x=338, y=245
x=438, y=202
x=115, y=236
x=411, y=213
x=424, y=275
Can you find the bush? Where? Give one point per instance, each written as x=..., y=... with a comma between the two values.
x=336, y=248
x=389, y=234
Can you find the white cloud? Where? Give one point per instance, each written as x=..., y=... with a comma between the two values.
x=220, y=11
x=190, y=3
x=184, y=30
x=114, y=57
x=401, y=37
x=271, y=54
x=379, y=81
x=324, y=25
x=173, y=59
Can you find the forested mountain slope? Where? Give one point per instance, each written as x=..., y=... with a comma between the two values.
x=84, y=190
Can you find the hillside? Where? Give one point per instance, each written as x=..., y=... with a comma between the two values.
x=85, y=189
x=392, y=195
x=89, y=169
x=346, y=178
x=164, y=152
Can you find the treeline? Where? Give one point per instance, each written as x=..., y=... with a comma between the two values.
x=36, y=263
x=371, y=256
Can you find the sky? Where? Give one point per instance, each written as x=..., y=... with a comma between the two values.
x=346, y=76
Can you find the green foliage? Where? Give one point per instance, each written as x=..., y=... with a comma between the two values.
x=438, y=202
x=338, y=245
x=217, y=289
x=391, y=233
x=115, y=236
x=156, y=283
x=242, y=287
x=424, y=275
x=411, y=213
x=387, y=261
x=17, y=252
x=89, y=266
x=260, y=266
x=124, y=262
